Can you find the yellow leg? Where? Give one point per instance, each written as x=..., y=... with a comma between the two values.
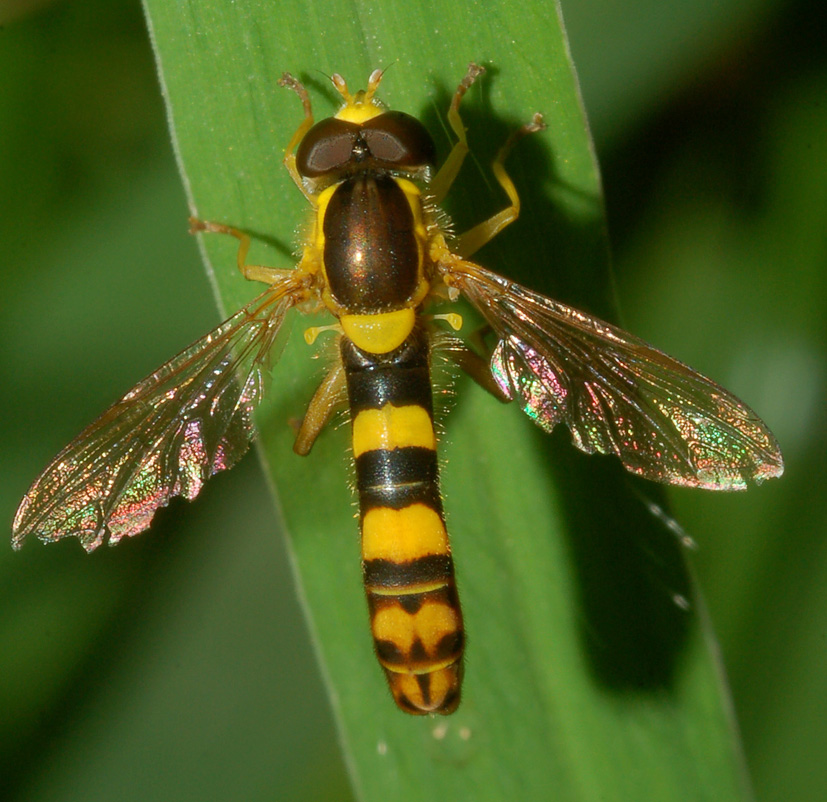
x=329, y=395
x=474, y=365
x=473, y=239
x=267, y=275
x=290, y=82
x=450, y=168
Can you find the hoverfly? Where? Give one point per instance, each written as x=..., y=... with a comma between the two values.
x=377, y=254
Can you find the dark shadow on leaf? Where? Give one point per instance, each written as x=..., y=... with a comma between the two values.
x=630, y=568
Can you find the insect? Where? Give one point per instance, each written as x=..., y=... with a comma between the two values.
x=377, y=255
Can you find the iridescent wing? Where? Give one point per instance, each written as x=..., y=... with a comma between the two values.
x=164, y=438
x=617, y=394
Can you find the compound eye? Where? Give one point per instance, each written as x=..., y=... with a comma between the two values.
x=326, y=147
x=399, y=140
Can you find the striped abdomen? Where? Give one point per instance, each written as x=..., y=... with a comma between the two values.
x=408, y=570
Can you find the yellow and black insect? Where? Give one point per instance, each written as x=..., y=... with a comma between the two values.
x=376, y=257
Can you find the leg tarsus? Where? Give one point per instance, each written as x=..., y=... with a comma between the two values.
x=262, y=273
x=288, y=81
x=451, y=166
x=473, y=239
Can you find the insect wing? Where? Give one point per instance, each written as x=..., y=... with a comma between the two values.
x=183, y=423
x=617, y=394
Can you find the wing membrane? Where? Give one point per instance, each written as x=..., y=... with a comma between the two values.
x=617, y=394
x=183, y=423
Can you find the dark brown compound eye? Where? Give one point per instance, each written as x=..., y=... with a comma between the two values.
x=398, y=140
x=326, y=147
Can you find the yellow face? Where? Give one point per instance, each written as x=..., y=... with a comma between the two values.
x=362, y=106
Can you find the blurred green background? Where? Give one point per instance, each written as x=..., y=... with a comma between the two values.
x=159, y=669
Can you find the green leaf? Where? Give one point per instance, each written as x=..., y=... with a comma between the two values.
x=586, y=678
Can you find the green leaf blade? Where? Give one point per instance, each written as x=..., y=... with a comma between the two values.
x=584, y=678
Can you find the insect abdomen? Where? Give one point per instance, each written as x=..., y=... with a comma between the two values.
x=406, y=558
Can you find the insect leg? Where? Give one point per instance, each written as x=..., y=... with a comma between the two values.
x=329, y=395
x=451, y=166
x=267, y=275
x=473, y=239
x=287, y=80
x=477, y=367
